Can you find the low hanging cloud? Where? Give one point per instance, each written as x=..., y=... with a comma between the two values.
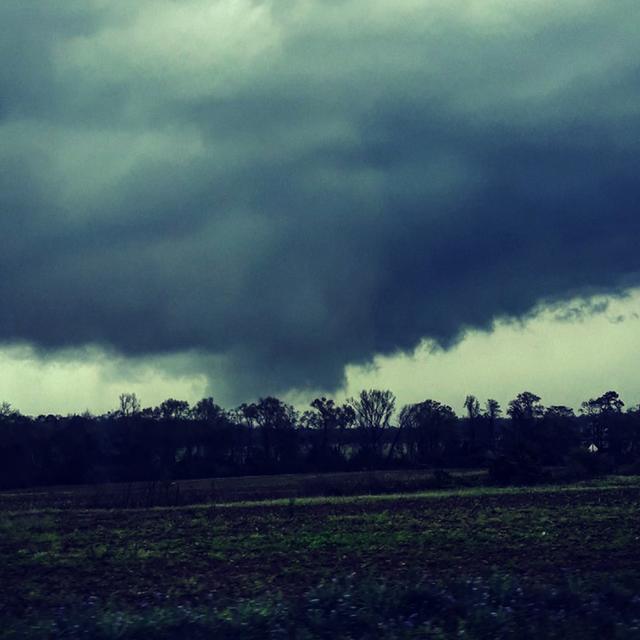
x=285, y=187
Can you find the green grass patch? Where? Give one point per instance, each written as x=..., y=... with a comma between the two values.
x=144, y=564
x=497, y=607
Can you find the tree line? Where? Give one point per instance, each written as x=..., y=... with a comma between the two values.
x=177, y=441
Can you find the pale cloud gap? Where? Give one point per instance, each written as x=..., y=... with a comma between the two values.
x=564, y=362
x=91, y=379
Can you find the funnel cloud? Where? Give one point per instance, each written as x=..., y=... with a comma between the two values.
x=283, y=188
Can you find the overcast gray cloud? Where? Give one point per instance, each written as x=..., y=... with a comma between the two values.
x=287, y=187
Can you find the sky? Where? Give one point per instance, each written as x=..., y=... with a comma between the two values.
x=241, y=197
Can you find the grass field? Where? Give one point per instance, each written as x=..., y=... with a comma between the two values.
x=182, y=492
x=255, y=567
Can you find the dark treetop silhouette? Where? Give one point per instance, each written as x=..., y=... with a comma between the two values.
x=176, y=441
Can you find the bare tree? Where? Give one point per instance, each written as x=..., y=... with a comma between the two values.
x=472, y=405
x=429, y=425
x=329, y=418
x=373, y=410
x=129, y=404
x=492, y=412
x=276, y=423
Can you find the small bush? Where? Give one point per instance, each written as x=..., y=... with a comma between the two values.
x=582, y=464
x=502, y=470
x=520, y=469
x=442, y=479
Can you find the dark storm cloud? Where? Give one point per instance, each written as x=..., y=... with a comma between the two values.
x=582, y=311
x=288, y=187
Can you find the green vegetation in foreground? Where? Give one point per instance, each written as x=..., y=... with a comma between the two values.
x=597, y=484
x=500, y=607
x=240, y=569
x=238, y=489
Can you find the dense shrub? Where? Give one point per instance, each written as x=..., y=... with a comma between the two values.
x=582, y=463
x=516, y=469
